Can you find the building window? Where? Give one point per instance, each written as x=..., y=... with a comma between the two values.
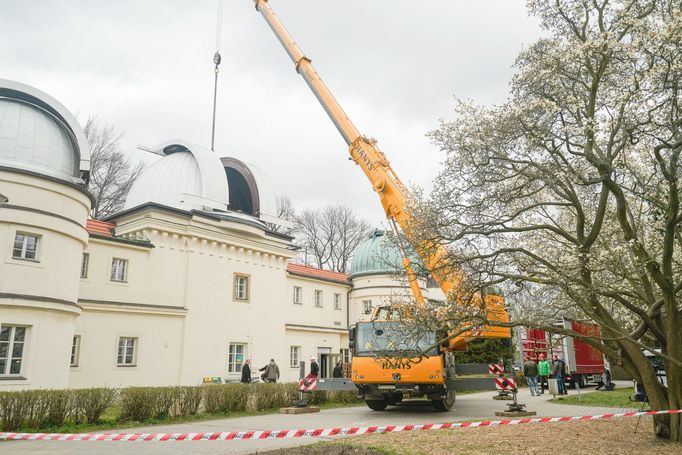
x=318, y=298
x=85, y=262
x=294, y=356
x=241, y=287
x=25, y=247
x=337, y=301
x=367, y=306
x=12, y=340
x=345, y=355
x=298, y=291
x=127, y=352
x=236, y=357
x=75, y=350
x=119, y=269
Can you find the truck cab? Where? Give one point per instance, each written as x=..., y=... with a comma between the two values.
x=394, y=359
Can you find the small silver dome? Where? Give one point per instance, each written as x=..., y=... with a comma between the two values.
x=38, y=134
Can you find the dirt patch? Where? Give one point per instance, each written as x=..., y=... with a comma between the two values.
x=324, y=449
x=609, y=436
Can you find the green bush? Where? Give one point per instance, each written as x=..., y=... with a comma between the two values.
x=60, y=405
x=225, y=398
x=14, y=409
x=37, y=409
x=189, y=400
x=143, y=403
x=90, y=404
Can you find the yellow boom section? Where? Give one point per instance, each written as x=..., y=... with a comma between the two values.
x=391, y=191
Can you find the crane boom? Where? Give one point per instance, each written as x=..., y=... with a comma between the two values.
x=392, y=193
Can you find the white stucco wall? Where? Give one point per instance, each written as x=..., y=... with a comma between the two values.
x=41, y=294
x=159, y=335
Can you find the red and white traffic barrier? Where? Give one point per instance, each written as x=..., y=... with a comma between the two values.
x=495, y=368
x=505, y=384
x=286, y=434
x=307, y=384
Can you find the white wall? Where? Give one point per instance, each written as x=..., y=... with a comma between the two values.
x=159, y=347
x=42, y=294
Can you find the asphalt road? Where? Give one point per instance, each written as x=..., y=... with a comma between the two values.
x=467, y=407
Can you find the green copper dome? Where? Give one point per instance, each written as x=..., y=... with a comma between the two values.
x=379, y=255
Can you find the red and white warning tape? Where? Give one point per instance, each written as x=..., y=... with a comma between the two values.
x=281, y=434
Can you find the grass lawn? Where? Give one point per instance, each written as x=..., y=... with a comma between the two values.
x=619, y=398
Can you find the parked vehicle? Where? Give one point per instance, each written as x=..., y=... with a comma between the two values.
x=584, y=363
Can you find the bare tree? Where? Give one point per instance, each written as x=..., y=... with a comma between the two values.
x=567, y=196
x=111, y=172
x=329, y=236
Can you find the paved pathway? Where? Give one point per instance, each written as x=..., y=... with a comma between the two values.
x=467, y=407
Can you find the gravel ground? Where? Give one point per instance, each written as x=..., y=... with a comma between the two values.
x=609, y=436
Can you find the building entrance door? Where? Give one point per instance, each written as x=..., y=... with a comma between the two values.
x=323, y=354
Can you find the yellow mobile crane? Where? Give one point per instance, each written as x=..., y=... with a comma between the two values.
x=382, y=382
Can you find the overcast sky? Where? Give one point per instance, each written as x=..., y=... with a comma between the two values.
x=146, y=67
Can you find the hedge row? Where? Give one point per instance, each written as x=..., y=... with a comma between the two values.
x=41, y=409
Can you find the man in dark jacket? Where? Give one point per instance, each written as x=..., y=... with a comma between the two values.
x=558, y=372
x=246, y=372
x=338, y=372
x=530, y=371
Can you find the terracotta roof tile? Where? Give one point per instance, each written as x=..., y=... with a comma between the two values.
x=100, y=227
x=315, y=273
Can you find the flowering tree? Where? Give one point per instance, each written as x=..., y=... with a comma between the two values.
x=567, y=196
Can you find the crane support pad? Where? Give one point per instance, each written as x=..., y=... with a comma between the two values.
x=336, y=384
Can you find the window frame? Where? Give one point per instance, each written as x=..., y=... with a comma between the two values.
x=345, y=355
x=5, y=372
x=247, y=279
x=298, y=292
x=231, y=357
x=24, y=243
x=85, y=265
x=135, y=343
x=297, y=350
x=318, y=303
x=125, y=270
x=75, y=352
x=337, y=301
x=367, y=309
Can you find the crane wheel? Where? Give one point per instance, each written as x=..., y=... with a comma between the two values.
x=445, y=404
x=377, y=405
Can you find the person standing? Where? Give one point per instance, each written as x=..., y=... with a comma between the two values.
x=271, y=372
x=246, y=372
x=543, y=373
x=530, y=371
x=558, y=372
x=337, y=373
x=314, y=368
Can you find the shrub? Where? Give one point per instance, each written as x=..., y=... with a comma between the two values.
x=90, y=404
x=60, y=406
x=189, y=400
x=225, y=398
x=14, y=407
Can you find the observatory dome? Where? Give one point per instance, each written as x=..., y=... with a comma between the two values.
x=379, y=255
x=187, y=177
x=38, y=134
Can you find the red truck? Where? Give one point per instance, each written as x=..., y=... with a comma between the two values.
x=584, y=363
